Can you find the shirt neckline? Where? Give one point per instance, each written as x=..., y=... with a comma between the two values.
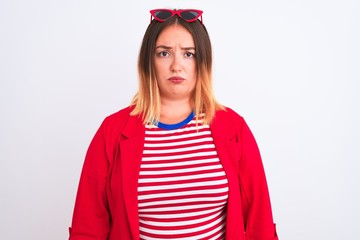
x=176, y=125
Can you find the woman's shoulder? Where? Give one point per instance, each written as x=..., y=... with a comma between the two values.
x=121, y=114
x=118, y=119
x=227, y=120
x=228, y=113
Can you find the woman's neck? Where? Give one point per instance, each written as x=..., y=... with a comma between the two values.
x=174, y=111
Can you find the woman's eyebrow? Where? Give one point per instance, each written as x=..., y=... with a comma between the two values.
x=163, y=46
x=168, y=47
x=188, y=48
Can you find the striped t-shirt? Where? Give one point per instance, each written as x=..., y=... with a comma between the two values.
x=183, y=188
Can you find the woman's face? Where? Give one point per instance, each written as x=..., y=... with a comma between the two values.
x=175, y=63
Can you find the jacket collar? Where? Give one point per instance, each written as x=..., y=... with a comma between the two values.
x=133, y=127
x=222, y=128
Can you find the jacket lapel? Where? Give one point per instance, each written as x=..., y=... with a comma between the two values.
x=131, y=149
x=225, y=138
x=224, y=134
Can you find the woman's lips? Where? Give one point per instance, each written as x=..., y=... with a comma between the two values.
x=176, y=79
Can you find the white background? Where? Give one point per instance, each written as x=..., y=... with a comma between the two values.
x=291, y=68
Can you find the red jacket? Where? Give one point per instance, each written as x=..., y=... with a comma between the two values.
x=106, y=205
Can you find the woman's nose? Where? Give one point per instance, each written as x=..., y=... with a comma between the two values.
x=176, y=64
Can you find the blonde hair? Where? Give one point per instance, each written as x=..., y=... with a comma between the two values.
x=146, y=101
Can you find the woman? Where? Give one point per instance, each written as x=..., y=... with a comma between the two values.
x=175, y=164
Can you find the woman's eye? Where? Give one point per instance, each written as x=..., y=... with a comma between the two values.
x=190, y=54
x=163, y=54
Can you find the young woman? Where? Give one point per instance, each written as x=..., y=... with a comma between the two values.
x=175, y=164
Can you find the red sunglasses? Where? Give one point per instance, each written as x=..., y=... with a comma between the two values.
x=189, y=15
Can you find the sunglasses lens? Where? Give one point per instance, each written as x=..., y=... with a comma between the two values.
x=163, y=15
x=189, y=15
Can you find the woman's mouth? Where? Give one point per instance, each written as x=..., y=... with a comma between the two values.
x=176, y=79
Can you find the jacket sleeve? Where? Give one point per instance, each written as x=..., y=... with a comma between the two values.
x=91, y=218
x=257, y=213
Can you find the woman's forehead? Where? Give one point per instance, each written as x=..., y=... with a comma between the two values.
x=175, y=35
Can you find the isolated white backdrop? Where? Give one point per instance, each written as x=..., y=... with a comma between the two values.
x=291, y=68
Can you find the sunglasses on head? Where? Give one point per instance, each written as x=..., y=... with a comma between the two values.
x=189, y=15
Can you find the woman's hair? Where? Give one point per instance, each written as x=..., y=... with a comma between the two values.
x=147, y=100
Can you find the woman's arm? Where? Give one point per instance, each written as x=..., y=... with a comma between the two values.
x=91, y=218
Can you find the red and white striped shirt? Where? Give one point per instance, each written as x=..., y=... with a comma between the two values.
x=183, y=188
